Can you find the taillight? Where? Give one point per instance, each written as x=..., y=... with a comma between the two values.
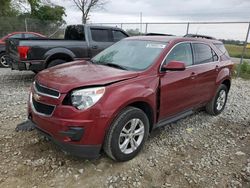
x=23, y=52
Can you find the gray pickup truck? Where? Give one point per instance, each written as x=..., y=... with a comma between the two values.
x=81, y=42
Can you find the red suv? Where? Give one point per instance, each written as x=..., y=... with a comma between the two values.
x=115, y=100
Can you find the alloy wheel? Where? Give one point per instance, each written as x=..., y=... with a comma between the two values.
x=221, y=100
x=131, y=136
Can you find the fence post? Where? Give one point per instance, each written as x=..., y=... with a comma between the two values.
x=121, y=25
x=244, y=50
x=26, y=25
x=146, y=28
x=187, y=28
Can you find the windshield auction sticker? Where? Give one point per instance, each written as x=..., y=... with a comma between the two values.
x=151, y=45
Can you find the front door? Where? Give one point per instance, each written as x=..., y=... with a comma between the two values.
x=101, y=39
x=178, y=88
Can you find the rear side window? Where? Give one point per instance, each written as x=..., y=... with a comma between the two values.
x=100, y=35
x=182, y=52
x=75, y=32
x=118, y=35
x=203, y=54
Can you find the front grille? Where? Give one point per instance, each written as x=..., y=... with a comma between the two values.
x=46, y=91
x=43, y=108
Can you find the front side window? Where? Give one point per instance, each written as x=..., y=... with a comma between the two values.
x=182, y=52
x=130, y=54
x=204, y=54
x=100, y=35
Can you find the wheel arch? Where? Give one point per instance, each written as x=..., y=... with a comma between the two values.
x=61, y=56
x=227, y=83
x=143, y=105
x=147, y=109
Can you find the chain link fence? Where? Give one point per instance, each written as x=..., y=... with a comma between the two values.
x=235, y=35
x=15, y=24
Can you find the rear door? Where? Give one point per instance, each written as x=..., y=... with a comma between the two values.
x=178, y=88
x=101, y=39
x=206, y=67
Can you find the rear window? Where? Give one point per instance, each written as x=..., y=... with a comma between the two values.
x=100, y=35
x=75, y=32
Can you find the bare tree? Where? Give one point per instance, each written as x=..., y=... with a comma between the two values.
x=86, y=6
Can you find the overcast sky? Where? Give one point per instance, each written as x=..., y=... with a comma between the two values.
x=168, y=11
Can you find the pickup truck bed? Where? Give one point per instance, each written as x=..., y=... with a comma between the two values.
x=81, y=42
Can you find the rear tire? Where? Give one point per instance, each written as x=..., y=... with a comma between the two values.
x=56, y=62
x=3, y=60
x=127, y=134
x=218, y=103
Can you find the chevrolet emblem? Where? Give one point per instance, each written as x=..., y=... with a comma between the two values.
x=37, y=97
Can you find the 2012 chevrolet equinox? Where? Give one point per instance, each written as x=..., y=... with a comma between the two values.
x=115, y=100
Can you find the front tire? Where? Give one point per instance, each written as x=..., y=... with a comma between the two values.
x=3, y=60
x=127, y=134
x=218, y=103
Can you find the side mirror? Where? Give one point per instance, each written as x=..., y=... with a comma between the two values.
x=174, y=66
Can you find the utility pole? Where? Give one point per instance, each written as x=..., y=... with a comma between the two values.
x=26, y=25
x=141, y=22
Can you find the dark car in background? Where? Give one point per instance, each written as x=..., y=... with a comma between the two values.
x=81, y=42
x=14, y=35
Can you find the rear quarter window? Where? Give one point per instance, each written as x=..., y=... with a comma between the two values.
x=222, y=49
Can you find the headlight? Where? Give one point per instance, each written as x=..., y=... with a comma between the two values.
x=85, y=98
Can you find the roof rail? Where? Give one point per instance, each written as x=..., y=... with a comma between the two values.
x=199, y=36
x=158, y=34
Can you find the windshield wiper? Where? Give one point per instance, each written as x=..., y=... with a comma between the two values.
x=115, y=66
x=108, y=64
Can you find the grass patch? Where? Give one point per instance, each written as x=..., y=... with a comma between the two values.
x=244, y=69
x=236, y=51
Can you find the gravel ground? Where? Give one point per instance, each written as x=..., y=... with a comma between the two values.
x=198, y=151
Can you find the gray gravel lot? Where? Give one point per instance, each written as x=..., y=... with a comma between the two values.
x=198, y=151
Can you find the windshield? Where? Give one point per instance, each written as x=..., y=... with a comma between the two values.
x=130, y=54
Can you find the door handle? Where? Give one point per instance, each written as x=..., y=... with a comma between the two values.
x=95, y=47
x=193, y=75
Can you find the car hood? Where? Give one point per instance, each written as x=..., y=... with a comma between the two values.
x=80, y=74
